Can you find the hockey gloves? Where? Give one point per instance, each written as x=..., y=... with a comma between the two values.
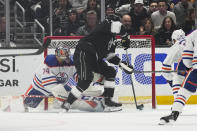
x=127, y=68
x=125, y=42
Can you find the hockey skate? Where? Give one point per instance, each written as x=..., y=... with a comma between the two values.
x=169, y=119
x=111, y=106
x=65, y=105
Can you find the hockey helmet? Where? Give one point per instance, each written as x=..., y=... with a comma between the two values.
x=177, y=35
x=62, y=52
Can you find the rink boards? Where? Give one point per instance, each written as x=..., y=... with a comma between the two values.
x=17, y=74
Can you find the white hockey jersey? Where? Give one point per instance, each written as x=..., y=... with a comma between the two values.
x=190, y=51
x=52, y=73
x=173, y=56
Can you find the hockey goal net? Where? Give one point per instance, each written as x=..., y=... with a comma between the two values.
x=141, y=55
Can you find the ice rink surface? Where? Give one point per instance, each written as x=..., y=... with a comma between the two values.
x=129, y=119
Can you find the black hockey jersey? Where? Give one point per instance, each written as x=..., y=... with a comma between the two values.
x=101, y=39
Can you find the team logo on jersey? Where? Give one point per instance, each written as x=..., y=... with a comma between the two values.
x=111, y=42
x=62, y=77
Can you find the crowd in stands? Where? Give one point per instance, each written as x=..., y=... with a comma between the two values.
x=144, y=17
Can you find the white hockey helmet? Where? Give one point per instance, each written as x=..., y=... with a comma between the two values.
x=63, y=52
x=177, y=35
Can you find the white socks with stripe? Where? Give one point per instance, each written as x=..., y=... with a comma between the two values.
x=181, y=98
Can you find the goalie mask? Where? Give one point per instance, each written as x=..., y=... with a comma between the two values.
x=178, y=35
x=63, y=53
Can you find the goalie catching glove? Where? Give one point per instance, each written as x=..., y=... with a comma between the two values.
x=127, y=68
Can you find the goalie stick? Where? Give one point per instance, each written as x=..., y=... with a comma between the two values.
x=140, y=107
x=47, y=41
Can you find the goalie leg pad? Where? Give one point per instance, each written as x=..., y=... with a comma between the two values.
x=59, y=92
x=94, y=90
x=33, y=101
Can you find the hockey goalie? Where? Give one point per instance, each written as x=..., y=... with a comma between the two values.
x=56, y=77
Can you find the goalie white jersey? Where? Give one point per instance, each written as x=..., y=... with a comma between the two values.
x=190, y=52
x=51, y=73
x=173, y=56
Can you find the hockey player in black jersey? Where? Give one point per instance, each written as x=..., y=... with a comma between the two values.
x=89, y=57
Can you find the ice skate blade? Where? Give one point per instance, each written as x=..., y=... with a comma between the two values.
x=163, y=122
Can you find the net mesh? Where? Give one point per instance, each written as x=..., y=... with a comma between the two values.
x=71, y=42
x=141, y=55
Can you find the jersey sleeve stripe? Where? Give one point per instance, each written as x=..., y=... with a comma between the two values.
x=187, y=54
x=188, y=51
x=37, y=79
x=164, y=68
x=48, y=77
x=175, y=89
x=166, y=65
x=49, y=84
x=41, y=88
x=189, y=58
x=48, y=81
x=37, y=82
x=194, y=60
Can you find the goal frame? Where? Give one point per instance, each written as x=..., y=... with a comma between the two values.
x=118, y=37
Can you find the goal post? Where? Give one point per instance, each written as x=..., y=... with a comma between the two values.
x=141, y=55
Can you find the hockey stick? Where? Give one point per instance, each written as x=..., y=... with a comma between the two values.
x=158, y=71
x=140, y=107
x=39, y=51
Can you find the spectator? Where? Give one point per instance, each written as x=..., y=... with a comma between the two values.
x=42, y=14
x=79, y=6
x=117, y=3
x=181, y=11
x=127, y=21
x=2, y=24
x=3, y=33
x=110, y=13
x=174, y=1
x=153, y=6
x=70, y=28
x=91, y=22
x=27, y=5
x=158, y=16
x=147, y=28
x=93, y=5
x=139, y=14
x=189, y=24
x=124, y=9
x=163, y=37
x=191, y=1
x=61, y=13
x=109, y=10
